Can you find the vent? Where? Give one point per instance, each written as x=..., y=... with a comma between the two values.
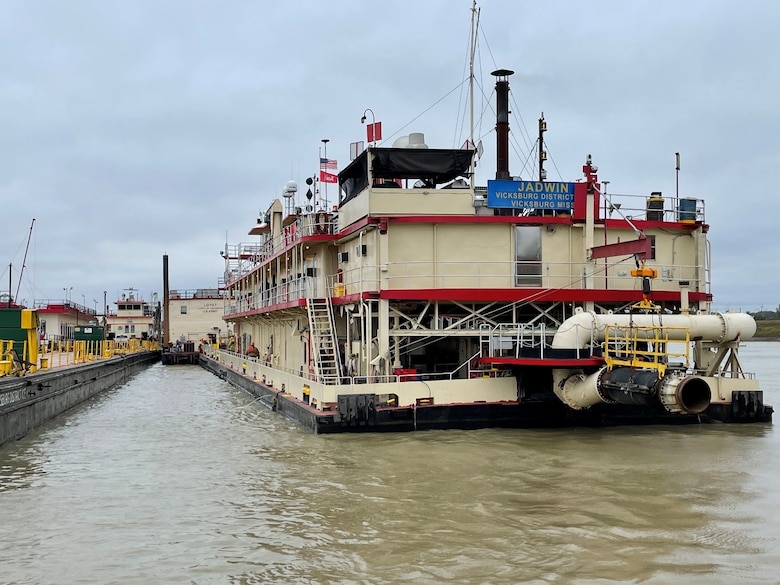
x=361, y=250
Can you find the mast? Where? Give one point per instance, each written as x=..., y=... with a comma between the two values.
x=472, y=52
x=325, y=156
x=542, y=151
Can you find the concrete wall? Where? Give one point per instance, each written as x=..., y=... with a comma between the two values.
x=32, y=400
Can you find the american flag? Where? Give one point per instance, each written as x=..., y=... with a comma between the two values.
x=328, y=172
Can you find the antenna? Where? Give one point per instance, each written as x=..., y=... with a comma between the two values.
x=677, y=175
x=325, y=156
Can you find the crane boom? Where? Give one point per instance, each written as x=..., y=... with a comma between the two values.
x=24, y=262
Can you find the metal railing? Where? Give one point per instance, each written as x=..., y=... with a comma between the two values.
x=246, y=364
x=654, y=207
x=243, y=258
x=508, y=340
x=429, y=274
x=645, y=347
x=66, y=304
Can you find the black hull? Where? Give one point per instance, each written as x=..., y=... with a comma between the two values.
x=361, y=416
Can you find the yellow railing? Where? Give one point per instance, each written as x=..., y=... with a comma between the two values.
x=9, y=360
x=645, y=347
x=68, y=352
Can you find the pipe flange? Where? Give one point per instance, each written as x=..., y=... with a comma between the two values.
x=599, y=388
x=668, y=395
x=680, y=394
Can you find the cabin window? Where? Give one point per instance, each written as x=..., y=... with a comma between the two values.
x=183, y=309
x=528, y=255
x=652, y=247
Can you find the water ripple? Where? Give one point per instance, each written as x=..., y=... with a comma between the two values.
x=177, y=477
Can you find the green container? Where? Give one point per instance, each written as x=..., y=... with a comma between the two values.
x=88, y=333
x=11, y=329
x=10, y=318
x=11, y=325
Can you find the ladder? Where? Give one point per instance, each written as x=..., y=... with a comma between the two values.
x=325, y=351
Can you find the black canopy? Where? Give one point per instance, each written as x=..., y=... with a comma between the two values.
x=433, y=166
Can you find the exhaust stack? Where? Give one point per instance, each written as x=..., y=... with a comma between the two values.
x=502, y=123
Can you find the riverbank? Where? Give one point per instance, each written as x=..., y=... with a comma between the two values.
x=768, y=329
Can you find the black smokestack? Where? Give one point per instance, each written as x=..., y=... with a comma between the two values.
x=166, y=332
x=502, y=123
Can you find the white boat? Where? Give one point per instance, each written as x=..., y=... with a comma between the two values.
x=420, y=300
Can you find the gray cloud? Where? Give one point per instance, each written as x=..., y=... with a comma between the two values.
x=132, y=130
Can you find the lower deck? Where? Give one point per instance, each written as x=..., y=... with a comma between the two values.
x=372, y=412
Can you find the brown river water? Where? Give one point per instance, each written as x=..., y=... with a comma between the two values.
x=176, y=477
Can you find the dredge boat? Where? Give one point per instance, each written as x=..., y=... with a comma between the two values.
x=421, y=301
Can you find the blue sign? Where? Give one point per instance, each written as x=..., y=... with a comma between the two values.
x=530, y=194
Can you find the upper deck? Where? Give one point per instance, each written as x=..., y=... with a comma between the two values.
x=410, y=226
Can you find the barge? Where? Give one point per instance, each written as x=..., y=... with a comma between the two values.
x=41, y=381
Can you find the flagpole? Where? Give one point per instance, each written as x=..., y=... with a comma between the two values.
x=325, y=156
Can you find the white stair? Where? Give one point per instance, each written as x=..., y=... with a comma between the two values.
x=325, y=351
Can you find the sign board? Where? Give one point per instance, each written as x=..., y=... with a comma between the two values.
x=530, y=195
x=374, y=132
x=355, y=148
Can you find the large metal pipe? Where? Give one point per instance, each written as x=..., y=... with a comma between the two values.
x=583, y=327
x=677, y=393
x=630, y=386
x=684, y=394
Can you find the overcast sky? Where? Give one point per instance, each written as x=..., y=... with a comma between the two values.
x=130, y=130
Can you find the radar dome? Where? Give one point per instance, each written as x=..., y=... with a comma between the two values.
x=417, y=140
x=413, y=140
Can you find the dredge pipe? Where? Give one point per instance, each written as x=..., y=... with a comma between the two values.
x=677, y=394
x=629, y=386
x=585, y=326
